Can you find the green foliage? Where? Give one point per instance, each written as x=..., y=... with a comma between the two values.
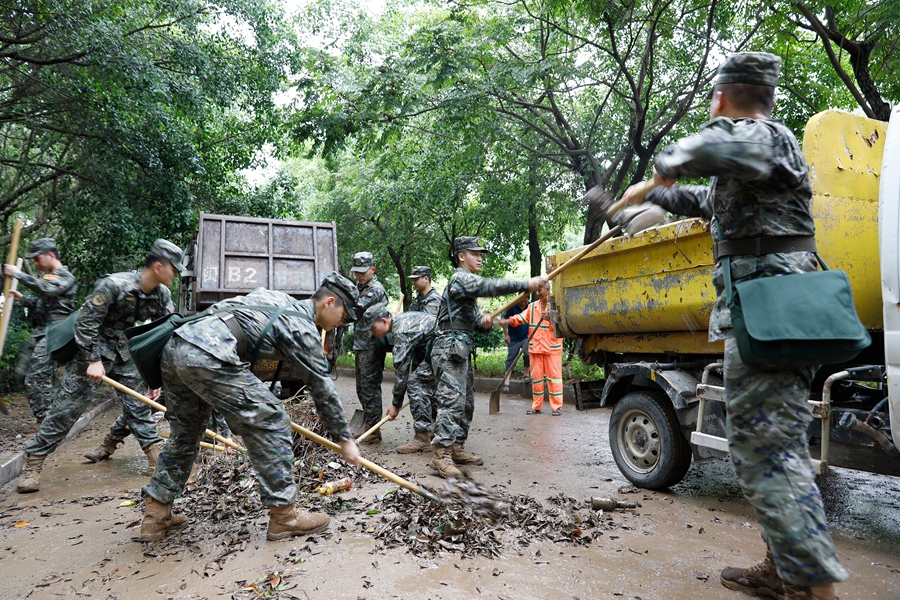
x=17, y=337
x=490, y=340
x=121, y=118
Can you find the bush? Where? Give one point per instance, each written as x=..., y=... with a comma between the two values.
x=491, y=340
x=16, y=338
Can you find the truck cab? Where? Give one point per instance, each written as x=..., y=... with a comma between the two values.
x=640, y=308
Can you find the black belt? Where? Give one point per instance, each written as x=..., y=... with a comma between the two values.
x=118, y=325
x=761, y=246
x=445, y=326
x=242, y=344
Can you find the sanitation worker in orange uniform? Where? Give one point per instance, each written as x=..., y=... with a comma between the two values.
x=545, y=351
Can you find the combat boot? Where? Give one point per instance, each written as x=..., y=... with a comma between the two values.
x=30, y=479
x=817, y=592
x=761, y=579
x=374, y=438
x=158, y=519
x=461, y=457
x=288, y=521
x=443, y=462
x=152, y=451
x=420, y=443
x=105, y=450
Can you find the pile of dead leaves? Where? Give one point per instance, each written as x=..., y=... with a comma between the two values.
x=427, y=528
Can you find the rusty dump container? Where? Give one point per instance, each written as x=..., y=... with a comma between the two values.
x=233, y=256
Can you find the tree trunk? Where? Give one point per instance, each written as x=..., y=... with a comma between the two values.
x=534, y=246
x=397, y=259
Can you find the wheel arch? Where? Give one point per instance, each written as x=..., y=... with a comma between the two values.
x=679, y=386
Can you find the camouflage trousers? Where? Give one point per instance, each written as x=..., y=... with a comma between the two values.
x=195, y=383
x=218, y=424
x=75, y=393
x=369, y=375
x=766, y=425
x=420, y=388
x=454, y=393
x=39, y=373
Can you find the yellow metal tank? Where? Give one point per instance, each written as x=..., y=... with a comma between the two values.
x=653, y=293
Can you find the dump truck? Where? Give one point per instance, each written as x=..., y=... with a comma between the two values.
x=232, y=256
x=639, y=307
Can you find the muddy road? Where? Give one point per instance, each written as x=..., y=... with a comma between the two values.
x=77, y=536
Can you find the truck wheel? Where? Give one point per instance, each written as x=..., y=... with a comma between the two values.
x=646, y=441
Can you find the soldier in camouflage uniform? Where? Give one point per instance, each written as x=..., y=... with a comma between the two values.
x=117, y=301
x=53, y=299
x=369, y=355
x=452, y=351
x=206, y=366
x=758, y=201
x=411, y=332
x=427, y=298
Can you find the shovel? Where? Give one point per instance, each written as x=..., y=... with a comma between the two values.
x=358, y=420
x=160, y=407
x=495, y=395
x=368, y=464
x=378, y=425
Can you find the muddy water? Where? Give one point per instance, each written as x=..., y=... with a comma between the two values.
x=79, y=541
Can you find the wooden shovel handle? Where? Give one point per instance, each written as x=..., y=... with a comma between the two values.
x=581, y=253
x=161, y=408
x=368, y=464
x=378, y=425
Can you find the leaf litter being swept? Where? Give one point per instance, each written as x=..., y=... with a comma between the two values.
x=222, y=503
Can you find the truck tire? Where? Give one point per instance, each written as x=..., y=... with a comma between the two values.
x=646, y=441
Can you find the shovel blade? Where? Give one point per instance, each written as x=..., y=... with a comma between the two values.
x=357, y=422
x=495, y=402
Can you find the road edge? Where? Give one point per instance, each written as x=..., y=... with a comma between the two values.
x=11, y=468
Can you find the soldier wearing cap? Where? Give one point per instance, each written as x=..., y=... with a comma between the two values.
x=205, y=367
x=758, y=196
x=427, y=298
x=452, y=349
x=54, y=299
x=411, y=332
x=116, y=302
x=369, y=355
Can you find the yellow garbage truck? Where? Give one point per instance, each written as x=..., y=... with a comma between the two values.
x=639, y=306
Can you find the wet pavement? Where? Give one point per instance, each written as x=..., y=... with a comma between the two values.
x=73, y=539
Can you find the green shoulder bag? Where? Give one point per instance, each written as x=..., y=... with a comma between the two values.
x=798, y=320
x=60, y=342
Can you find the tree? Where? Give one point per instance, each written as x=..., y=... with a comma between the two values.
x=592, y=89
x=119, y=118
x=860, y=36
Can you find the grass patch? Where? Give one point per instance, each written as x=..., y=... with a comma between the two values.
x=493, y=363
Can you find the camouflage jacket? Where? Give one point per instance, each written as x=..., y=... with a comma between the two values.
x=115, y=304
x=429, y=303
x=463, y=290
x=759, y=187
x=291, y=338
x=54, y=296
x=372, y=300
x=411, y=330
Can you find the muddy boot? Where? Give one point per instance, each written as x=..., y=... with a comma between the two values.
x=761, y=579
x=30, y=479
x=375, y=438
x=158, y=519
x=818, y=592
x=152, y=451
x=288, y=521
x=461, y=457
x=443, y=462
x=420, y=443
x=105, y=450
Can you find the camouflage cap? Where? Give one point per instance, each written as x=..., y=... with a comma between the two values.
x=169, y=251
x=420, y=272
x=344, y=289
x=40, y=246
x=468, y=243
x=760, y=68
x=362, y=262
